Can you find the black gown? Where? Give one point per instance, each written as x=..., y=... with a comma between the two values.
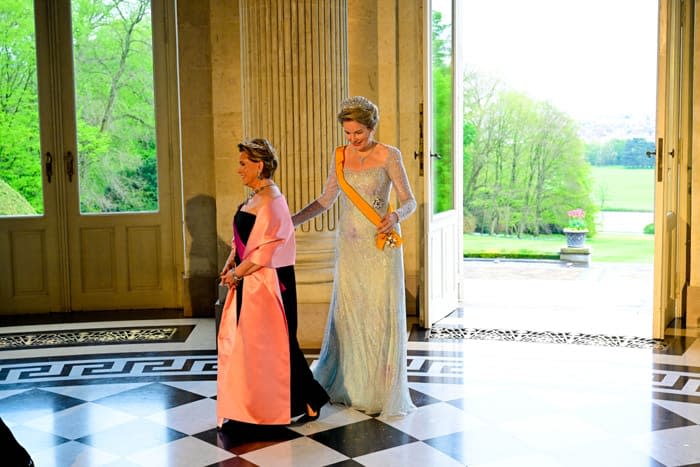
x=304, y=388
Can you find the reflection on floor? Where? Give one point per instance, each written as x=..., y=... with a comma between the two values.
x=142, y=393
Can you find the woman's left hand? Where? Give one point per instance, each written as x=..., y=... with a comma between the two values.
x=227, y=268
x=228, y=280
x=388, y=221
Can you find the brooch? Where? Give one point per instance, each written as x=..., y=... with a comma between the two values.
x=392, y=241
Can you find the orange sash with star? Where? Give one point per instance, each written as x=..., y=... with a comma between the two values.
x=393, y=239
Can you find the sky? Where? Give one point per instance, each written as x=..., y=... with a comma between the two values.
x=590, y=58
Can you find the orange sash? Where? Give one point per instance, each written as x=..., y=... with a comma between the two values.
x=393, y=239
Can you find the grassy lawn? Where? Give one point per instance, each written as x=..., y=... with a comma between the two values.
x=620, y=189
x=619, y=248
x=614, y=189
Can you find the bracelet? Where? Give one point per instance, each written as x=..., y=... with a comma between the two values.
x=235, y=277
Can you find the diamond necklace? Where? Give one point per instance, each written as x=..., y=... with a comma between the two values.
x=362, y=158
x=258, y=190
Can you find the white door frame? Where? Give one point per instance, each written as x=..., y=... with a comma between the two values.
x=442, y=232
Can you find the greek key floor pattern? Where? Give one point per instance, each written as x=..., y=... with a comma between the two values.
x=481, y=402
x=458, y=332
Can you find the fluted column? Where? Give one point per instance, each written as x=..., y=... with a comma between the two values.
x=294, y=75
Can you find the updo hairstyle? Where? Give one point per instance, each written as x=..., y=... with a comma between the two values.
x=359, y=109
x=261, y=150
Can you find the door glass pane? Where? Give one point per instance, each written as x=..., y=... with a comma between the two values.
x=115, y=113
x=442, y=169
x=20, y=150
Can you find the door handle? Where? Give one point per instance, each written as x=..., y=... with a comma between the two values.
x=651, y=153
x=69, y=165
x=435, y=155
x=659, y=160
x=419, y=154
x=49, y=166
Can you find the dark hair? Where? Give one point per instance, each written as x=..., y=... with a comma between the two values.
x=261, y=150
x=359, y=109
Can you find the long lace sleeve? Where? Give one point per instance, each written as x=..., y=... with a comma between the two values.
x=323, y=202
x=397, y=174
x=309, y=211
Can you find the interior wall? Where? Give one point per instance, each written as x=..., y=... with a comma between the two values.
x=227, y=117
x=197, y=146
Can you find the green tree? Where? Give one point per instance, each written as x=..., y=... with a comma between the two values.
x=114, y=94
x=480, y=98
x=20, y=154
x=601, y=153
x=524, y=163
x=629, y=153
x=442, y=98
x=113, y=70
x=633, y=154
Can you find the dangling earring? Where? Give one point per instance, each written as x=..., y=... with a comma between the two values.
x=260, y=175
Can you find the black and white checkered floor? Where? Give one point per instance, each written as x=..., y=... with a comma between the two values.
x=98, y=398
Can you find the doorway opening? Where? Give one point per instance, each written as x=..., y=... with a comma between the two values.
x=559, y=124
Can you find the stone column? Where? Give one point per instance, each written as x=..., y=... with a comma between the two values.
x=293, y=76
x=198, y=194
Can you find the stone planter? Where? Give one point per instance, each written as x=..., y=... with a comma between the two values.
x=575, y=238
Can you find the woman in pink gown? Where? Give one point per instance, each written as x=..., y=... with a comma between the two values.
x=262, y=377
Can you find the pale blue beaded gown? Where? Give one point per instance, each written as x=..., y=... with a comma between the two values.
x=362, y=363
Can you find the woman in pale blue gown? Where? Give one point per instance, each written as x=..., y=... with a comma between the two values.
x=363, y=357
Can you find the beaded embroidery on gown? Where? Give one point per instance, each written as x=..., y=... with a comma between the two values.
x=363, y=358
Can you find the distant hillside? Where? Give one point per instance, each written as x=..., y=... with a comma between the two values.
x=621, y=127
x=12, y=203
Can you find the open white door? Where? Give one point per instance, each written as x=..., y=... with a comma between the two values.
x=671, y=161
x=441, y=164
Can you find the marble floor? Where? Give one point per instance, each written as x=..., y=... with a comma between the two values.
x=143, y=393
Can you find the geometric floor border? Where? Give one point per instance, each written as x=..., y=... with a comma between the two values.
x=99, y=336
x=546, y=337
x=678, y=383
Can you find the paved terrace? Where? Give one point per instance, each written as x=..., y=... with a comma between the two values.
x=603, y=298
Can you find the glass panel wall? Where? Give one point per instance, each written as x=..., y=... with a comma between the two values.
x=115, y=109
x=442, y=168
